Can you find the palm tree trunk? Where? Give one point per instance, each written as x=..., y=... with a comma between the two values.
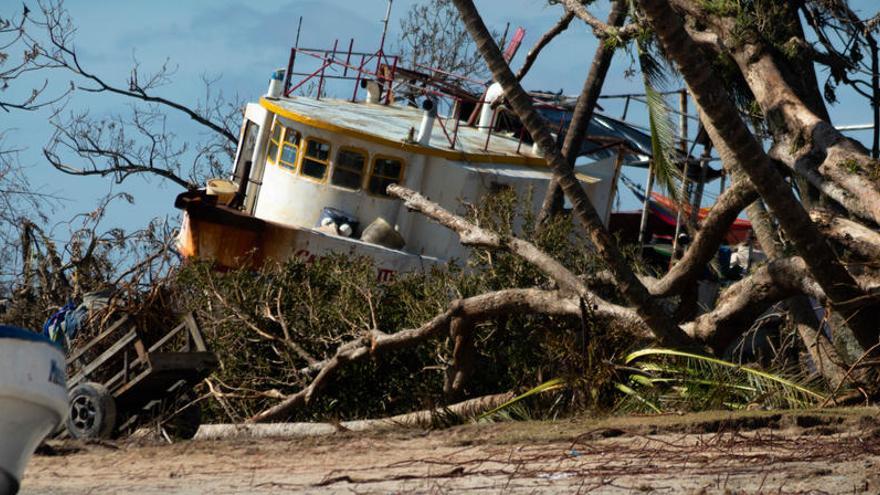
x=583, y=112
x=838, y=284
x=646, y=306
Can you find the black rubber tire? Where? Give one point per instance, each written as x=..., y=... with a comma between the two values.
x=91, y=412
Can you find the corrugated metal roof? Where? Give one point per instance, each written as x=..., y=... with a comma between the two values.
x=393, y=123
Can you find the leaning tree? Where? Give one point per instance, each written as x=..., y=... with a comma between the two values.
x=811, y=193
x=772, y=63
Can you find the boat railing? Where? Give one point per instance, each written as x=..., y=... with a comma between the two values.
x=385, y=69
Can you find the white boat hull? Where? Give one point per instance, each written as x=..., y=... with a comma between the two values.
x=33, y=399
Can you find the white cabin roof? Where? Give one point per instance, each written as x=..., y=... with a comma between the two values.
x=390, y=125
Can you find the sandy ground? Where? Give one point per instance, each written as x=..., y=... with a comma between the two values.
x=805, y=452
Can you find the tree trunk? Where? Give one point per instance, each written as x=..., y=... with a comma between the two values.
x=837, y=283
x=788, y=96
x=852, y=235
x=648, y=308
x=583, y=113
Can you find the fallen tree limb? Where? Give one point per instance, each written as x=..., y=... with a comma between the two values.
x=843, y=291
x=418, y=419
x=746, y=300
x=711, y=234
x=475, y=309
x=804, y=139
x=805, y=165
x=636, y=294
x=474, y=236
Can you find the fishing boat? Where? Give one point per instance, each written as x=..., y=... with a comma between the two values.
x=33, y=399
x=311, y=172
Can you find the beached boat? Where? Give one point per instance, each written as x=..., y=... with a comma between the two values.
x=311, y=172
x=33, y=399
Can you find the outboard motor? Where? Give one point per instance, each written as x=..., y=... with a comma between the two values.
x=33, y=399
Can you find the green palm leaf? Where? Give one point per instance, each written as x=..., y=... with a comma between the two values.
x=660, y=124
x=554, y=384
x=695, y=381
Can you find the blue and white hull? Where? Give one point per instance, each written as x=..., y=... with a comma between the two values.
x=33, y=399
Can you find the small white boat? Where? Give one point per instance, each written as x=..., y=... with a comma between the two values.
x=33, y=399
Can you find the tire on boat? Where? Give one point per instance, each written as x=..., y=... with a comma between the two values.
x=92, y=412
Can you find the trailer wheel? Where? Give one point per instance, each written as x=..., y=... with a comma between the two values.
x=92, y=411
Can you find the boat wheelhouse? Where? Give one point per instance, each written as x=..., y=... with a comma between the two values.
x=311, y=172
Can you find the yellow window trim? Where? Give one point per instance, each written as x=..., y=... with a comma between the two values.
x=453, y=155
x=364, y=173
x=275, y=124
x=302, y=156
x=288, y=166
x=380, y=156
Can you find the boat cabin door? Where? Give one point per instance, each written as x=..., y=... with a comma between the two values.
x=250, y=158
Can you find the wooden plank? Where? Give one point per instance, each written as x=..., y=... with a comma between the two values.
x=120, y=344
x=166, y=338
x=132, y=383
x=190, y=320
x=116, y=380
x=97, y=339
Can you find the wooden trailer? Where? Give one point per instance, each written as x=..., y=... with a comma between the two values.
x=118, y=379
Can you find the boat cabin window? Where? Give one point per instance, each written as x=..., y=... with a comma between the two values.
x=274, y=142
x=348, y=169
x=316, y=158
x=385, y=171
x=292, y=137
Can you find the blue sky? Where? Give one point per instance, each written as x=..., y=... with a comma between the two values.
x=242, y=42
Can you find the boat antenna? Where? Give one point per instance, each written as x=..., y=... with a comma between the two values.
x=298, y=29
x=385, y=27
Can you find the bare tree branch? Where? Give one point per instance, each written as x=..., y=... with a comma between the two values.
x=375, y=342
x=560, y=26
x=109, y=148
x=711, y=234
x=601, y=29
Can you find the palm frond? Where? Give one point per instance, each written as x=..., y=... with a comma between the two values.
x=682, y=380
x=654, y=69
x=554, y=384
x=660, y=124
x=637, y=396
